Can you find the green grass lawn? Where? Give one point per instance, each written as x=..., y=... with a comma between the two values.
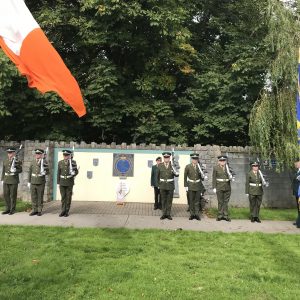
x=265, y=213
x=67, y=263
x=21, y=205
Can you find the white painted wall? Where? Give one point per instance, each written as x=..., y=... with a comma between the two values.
x=102, y=187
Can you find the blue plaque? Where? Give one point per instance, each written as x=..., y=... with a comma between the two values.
x=123, y=165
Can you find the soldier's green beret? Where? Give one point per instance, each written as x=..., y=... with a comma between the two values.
x=166, y=154
x=67, y=152
x=11, y=149
x=39, y=151
x=222, y=157
x=194, y=155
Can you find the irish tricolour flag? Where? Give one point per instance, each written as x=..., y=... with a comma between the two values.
x=23, y=41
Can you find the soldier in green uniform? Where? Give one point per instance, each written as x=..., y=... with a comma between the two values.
x=194, y=186
x=12, y=167
x=296, y=190
x=254, y=189
x=221, y=186
x=154, y=184
x=66, y=171
x=165, y=178
x=36, y=181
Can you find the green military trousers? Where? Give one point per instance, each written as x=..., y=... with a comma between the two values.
x=255, y=203
x=10, y=196
x=166, y=201
x=223, y=199
x=66, y=197
x=194, y=202
x=37, y=196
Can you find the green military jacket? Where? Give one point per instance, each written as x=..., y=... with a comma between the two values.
x=165, y=177
x=154, y=171
x=223, y=184
x=11, y=177
x=34, y=175
x=193, y=178
x=295, y=182
x=64, y=176
x=253, y=184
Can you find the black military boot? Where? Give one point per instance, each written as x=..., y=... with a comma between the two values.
x=227, y=219
x=11, y=212
x=191, y=217
x=62, y=214
x=169, y=217
x=33, y=213
x=252, y=219
x=163, y=217
x=67, y=214
x=197, y=218
x=258, y=220
x=5, y=212
x=39, y=213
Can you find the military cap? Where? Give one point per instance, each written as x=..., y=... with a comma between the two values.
x=158, y=158
x=194, y=155
x=67, y=152
x=254, y=164
x=166, y=154
x=11, y=149
x=222, y=157
x=39, y=151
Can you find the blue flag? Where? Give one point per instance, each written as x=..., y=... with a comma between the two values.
x=298, y=101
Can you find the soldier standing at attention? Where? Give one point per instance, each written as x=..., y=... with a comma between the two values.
x=66, y=171
x=12, y=166
x=221, y=186
x=36, y=181
x=254, y=189
x=154, y=184
x=194, y=186
x=165, y=178
x=296, y=191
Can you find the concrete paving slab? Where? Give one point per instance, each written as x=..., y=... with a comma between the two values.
x=138, y=216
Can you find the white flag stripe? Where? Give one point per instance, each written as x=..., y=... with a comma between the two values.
x=13, y=33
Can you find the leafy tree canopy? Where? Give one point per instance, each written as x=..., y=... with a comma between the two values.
x=151, y=71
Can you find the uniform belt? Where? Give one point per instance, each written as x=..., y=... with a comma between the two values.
x=190, y=180
x=255, y=184
x=37, y=175
x=219, y=179
x=167, y=180
x=9, y=174
x=65, y=177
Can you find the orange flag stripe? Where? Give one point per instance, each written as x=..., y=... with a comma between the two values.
x=45, y=70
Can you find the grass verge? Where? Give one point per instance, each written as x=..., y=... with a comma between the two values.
x=275, y=214
x=67, y=263
x=21, y=205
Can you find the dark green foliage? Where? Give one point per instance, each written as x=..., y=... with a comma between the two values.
x=170, y=71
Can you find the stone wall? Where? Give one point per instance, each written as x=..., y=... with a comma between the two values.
x=277, y=195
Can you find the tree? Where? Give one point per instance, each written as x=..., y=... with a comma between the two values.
x=273, y=119
x=171, y=71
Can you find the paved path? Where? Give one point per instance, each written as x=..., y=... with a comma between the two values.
x=138, y=216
